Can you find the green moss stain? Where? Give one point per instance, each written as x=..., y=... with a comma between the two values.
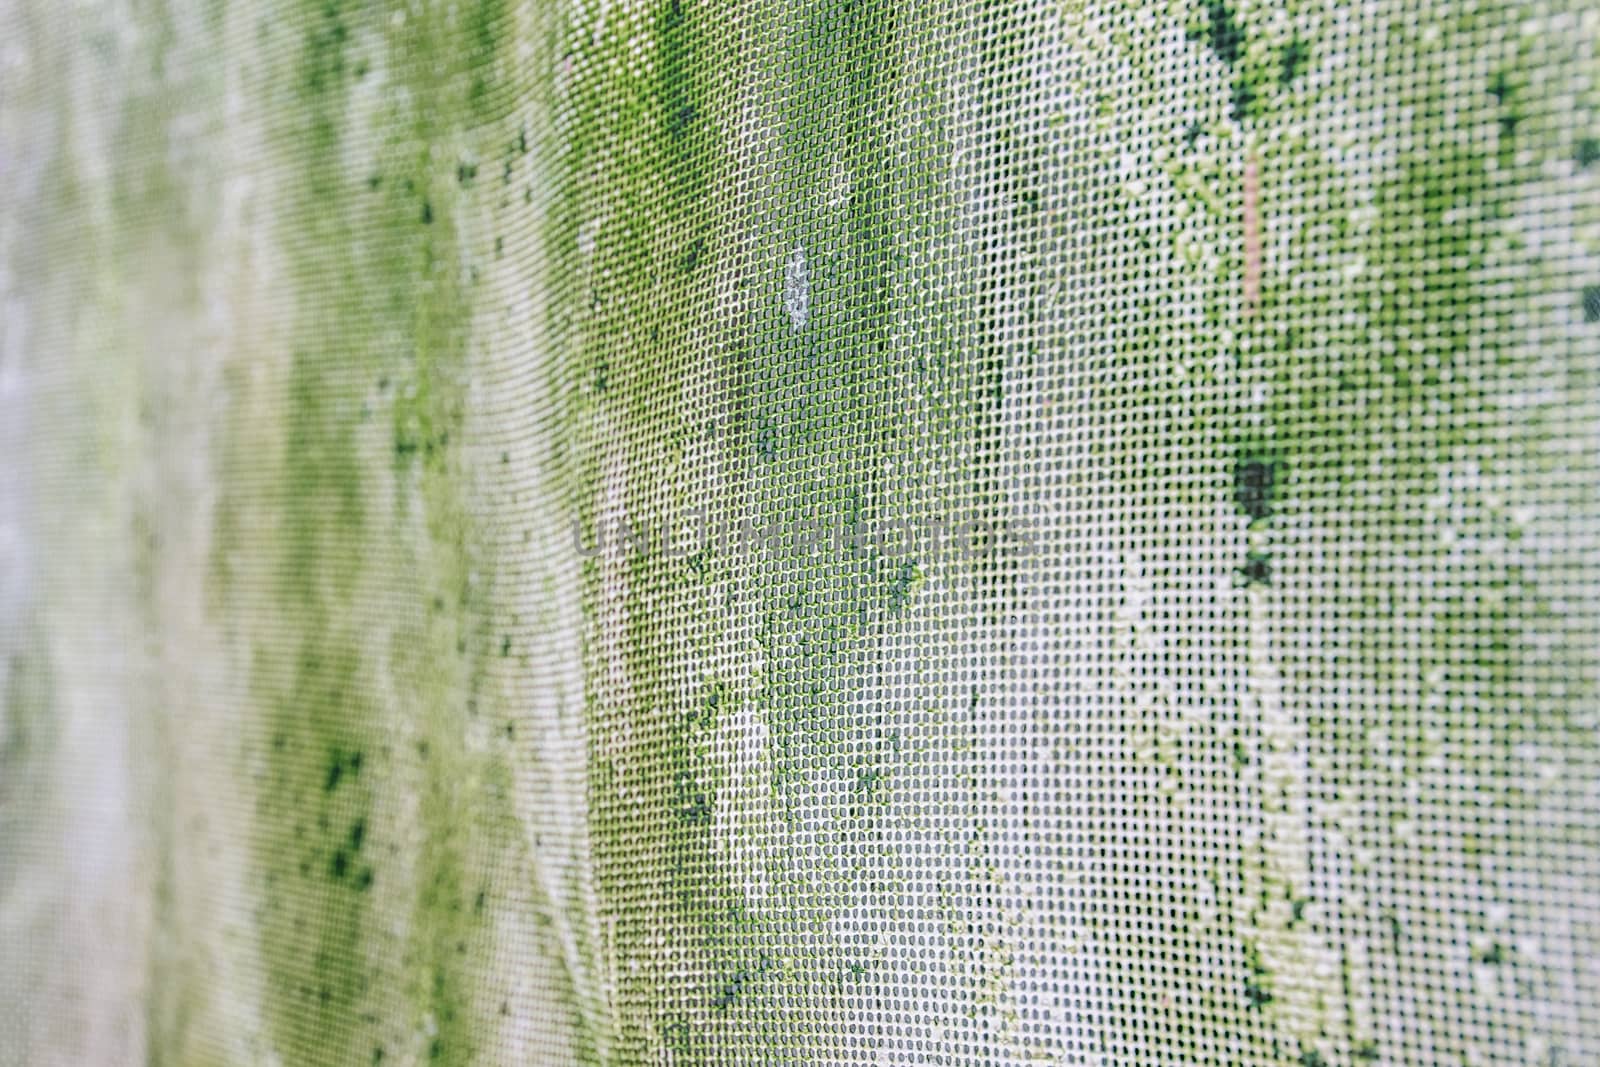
x=1375, y=373
x=375, y=813
x=749, y=339
x=638, y=229
x=816, y=386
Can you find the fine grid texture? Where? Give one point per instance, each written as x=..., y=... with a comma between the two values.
x=800, y=532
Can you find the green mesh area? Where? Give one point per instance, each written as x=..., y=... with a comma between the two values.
x=804, y=532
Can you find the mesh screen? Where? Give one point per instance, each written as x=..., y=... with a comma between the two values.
x=799, y=532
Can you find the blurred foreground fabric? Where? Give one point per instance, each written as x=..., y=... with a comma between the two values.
x=553, y=532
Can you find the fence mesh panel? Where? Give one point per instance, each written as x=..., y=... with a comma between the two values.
x=800, y=532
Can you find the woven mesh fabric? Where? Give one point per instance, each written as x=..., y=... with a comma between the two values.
x=556, y=532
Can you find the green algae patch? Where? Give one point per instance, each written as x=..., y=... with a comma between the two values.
x=635, y=221
x=746, y=338
x=376, y=812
